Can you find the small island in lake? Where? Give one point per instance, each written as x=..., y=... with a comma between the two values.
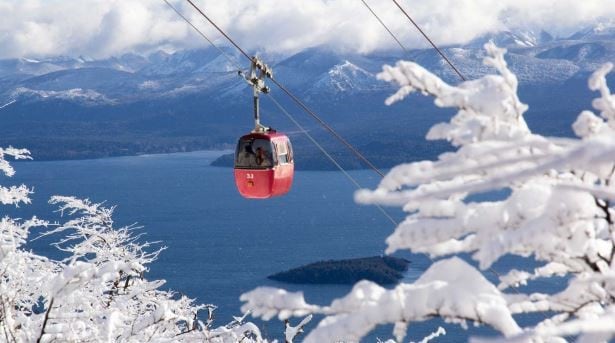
x=384, y=270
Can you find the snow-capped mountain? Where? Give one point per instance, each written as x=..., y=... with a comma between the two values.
x=188, y=62
x=514, y=38
x=536, y=57
x=198, y=93
x=86, y=97
x=603, y=30
x=347, y=78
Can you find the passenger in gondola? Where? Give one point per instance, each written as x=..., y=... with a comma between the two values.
x=247, y=157
x=263, y=157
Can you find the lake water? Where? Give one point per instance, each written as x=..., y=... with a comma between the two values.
x=220, y=245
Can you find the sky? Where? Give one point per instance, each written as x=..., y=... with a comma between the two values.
x=102, y=28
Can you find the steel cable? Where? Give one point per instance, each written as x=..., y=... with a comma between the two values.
x=385, y=27
x=430, y=41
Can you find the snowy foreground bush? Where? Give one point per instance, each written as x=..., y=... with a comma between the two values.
x=98, y=292
x=558, y=212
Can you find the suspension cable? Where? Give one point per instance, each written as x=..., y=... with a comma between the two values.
x=329, y=156
x=295, y=98
x=227, y=56
x=313, y=140
x=8, y=104
x=429, y=40
x=385, y=27
x=219, y=29
x=327, y=127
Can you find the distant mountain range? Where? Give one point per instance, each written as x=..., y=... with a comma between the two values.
x=66, y=107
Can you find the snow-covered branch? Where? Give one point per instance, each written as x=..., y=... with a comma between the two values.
x=99, y=292
x=18, y=154
x=450, y=289
x=552, y=201
x=13, y=195
x=489, y=108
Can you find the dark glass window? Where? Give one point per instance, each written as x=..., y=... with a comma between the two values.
x=253, y=154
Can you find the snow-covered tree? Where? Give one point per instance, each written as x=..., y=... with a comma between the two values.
x=98, y=293
x=558, y=211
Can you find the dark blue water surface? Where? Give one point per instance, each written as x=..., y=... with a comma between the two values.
x=220, y=245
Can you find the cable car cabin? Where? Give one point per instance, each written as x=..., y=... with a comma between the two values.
x=264, y=165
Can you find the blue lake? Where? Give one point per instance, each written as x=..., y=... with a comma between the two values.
x=220, y=245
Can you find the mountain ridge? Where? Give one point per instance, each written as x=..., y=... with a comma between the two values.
x=196, y=96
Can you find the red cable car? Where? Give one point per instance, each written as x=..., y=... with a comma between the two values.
x=264, y=163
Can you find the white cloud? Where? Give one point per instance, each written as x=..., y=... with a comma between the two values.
x=101, y=28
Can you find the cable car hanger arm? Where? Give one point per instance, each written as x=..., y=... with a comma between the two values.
x=259, y=71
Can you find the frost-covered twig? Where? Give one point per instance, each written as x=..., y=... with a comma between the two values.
x=18, y=154
x=291, y=332
x=99, y=292
x=489, y=107
x=433, y=335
